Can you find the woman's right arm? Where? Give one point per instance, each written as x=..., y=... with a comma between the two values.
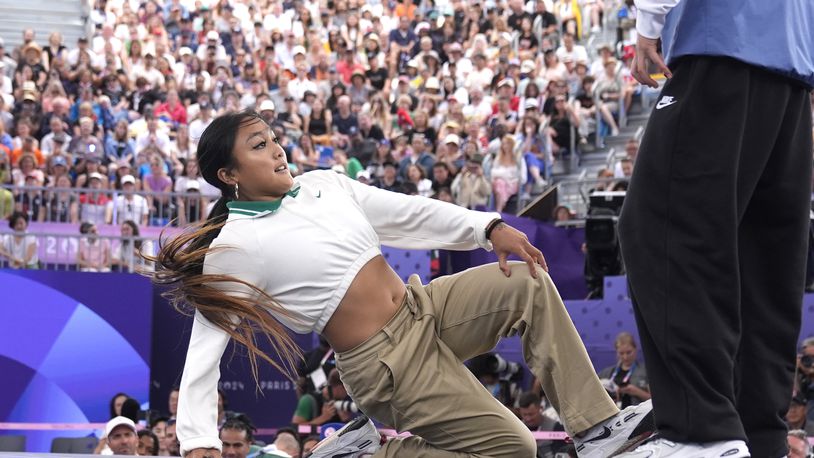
x=197, y=425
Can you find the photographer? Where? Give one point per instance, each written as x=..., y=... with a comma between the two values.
x=335, y=394
x=471, y=188
x=627, y=380
x=498, y=376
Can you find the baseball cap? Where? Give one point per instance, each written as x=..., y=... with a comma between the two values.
x=527, y=66
x=129, y=179
x=531, y=103
x=267, y=105
x=363, y=174
x=432, y=83
x=476, y=158
x=185, y=51
x=505, y=82
x=59, y=160
x=452, y=138
x=298, y=50
x=119, y=421
x=212, y=35
x=96, y=175
x=193, y=184
x=455, y=47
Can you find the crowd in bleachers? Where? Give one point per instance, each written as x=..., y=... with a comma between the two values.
x=469, y=102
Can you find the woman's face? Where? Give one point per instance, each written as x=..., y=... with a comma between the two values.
x=192, y=168
x=23, y=130
x=126, y=230
x=506, y=145
x=26, y=164
x=414, y=174
x=117, y=403
x=20, y=225
x=155, y=167
x=626, y=354
x=261, y=170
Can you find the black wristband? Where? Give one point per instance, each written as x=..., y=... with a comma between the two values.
x=492, y=225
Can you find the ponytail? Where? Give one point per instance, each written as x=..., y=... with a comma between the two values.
x=180, y=261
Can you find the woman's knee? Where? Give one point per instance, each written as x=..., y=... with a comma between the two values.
x=524, y=445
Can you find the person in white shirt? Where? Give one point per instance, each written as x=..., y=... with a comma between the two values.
x=199, y=124
x=569, y=48
x=128, y=205
x=305, y=255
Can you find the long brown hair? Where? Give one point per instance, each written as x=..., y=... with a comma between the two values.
x=180, y=261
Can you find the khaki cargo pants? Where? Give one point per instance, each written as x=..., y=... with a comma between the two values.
x=411, y=376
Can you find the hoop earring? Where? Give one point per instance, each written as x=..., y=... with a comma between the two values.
x=237, y=192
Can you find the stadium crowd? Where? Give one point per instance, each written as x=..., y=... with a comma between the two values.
x=466, y=102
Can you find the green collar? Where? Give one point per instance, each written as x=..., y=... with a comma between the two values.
x=260, y=207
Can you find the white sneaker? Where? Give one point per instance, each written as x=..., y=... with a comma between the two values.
x=618, y=434
x=356, y=439
x=661, y=448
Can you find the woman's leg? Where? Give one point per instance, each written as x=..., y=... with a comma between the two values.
x=407, y=378
x=475, y=308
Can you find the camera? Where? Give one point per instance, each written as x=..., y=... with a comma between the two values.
x=807, y=361
x=346, y=406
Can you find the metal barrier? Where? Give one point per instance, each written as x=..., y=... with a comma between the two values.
x=80, y=252
x=575, y=193
x=106, y=206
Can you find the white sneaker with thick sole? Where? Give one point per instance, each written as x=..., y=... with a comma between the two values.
x=621, y=433
x=357, y=439
x=662, y=448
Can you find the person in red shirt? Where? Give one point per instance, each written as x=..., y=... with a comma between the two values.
x=348, y=65
x=172, y=109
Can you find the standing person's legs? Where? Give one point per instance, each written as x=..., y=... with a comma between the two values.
x=701, y=159
x=475, y=308
x=772, y=241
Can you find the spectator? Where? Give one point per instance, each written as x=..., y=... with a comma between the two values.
x=172, y=110
x=286, y=445
x=128, y=205
x=116, y=403
x=26, y=166
x=119, y=149
x=6, y=203
x=799, y=446
x=530, y=408
x=93, y=254
x=417, y=176
x=796, y=416
x=19, y=247
x=148, y=443
x=57, y=131
x=507, y=173
x=120, y=437
x=61, y=204
x=85, y=145
x=627, y=380
x=418, y=156
x=319, y=124
x=348, y=166
x=94, y=202
x=159, y=428
x=237, y=437
x=390, y=180
x=171, y=440
x=29, y=146
x=160, y=185
x=153, y=140
x=471, y=188
x=172, y=402
x=128, y=254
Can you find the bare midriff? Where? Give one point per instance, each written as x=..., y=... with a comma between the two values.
x=374, y=296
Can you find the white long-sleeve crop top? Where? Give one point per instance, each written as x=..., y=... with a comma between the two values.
x=304, y=251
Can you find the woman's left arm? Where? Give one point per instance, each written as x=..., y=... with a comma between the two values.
x=415, y=222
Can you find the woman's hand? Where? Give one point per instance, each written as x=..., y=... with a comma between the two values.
x=203, y=453
x=507, y=240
